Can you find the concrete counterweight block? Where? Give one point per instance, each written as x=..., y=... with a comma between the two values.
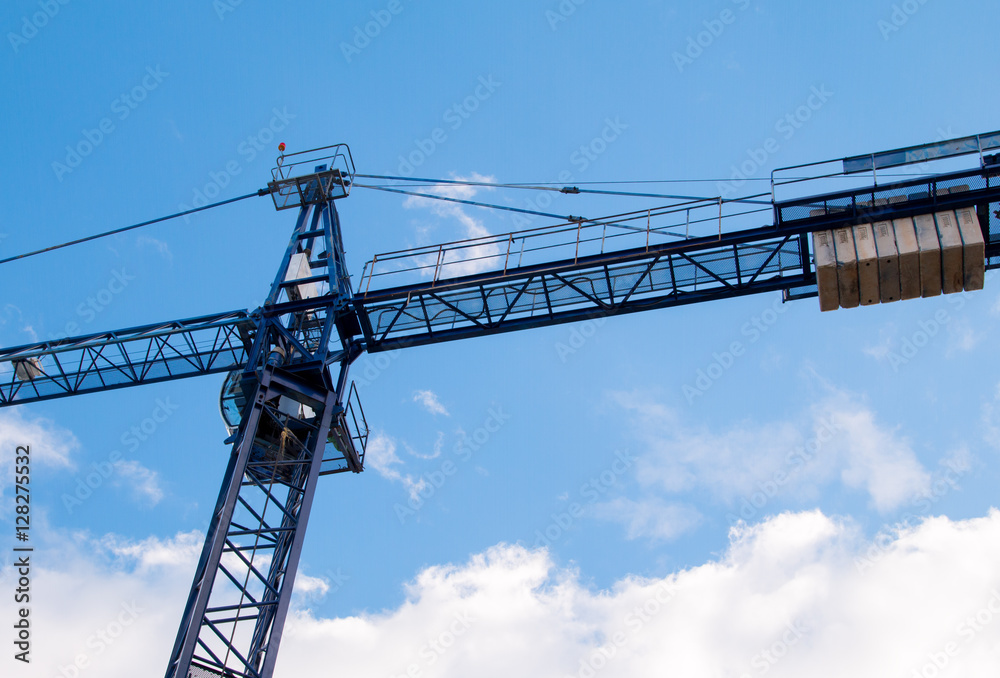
x=973, y=249
x=905, y=258
x=952, y=272
x=930, y=255
x=826, y=270
x=864, y=243
x=888, y=261
x=847, y=267
x=909, y=258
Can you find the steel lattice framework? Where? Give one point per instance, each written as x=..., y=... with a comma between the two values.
x=293, y=415
x=689, y=270
x=140, y=355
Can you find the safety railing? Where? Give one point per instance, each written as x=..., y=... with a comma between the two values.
x=873, y=169
x=570, y=240
x=312, y=176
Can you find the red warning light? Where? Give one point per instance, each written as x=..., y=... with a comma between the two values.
x=281, y=147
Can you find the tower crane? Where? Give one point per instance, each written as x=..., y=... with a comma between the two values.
x=293, y=415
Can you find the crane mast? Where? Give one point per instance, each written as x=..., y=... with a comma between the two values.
x=287, y=410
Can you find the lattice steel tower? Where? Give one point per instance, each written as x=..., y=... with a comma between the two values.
x=292, y=420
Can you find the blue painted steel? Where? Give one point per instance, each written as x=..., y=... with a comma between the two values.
x=296, y=423
x=769, y=258
x=922, y=153
x=130, y=357
x=775, y=257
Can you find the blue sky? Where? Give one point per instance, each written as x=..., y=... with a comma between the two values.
x=605, y=483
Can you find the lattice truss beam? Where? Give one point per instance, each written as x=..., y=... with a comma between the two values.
x=141, y=355
x=622, y=283
x=655, y=276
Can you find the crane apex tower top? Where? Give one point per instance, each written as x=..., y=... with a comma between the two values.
x=311, y=177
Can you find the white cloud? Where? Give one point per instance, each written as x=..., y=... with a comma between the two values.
x=47, y=444
x=160, y=246
x=381, y=457
x=896, y=346
x=482, y=254
x=793, y=572
x=310, y=586
x=876, y=460
x=649, y=517
x=958, y=460
x=152, y=552
x=143, y=482
x=839, y=437
x=881, y=349
x=11, y=313
x=429, y=401
x=962, y=337
x=113, y=602
x=800, y=594
x=438, y=448
x=991, y=420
